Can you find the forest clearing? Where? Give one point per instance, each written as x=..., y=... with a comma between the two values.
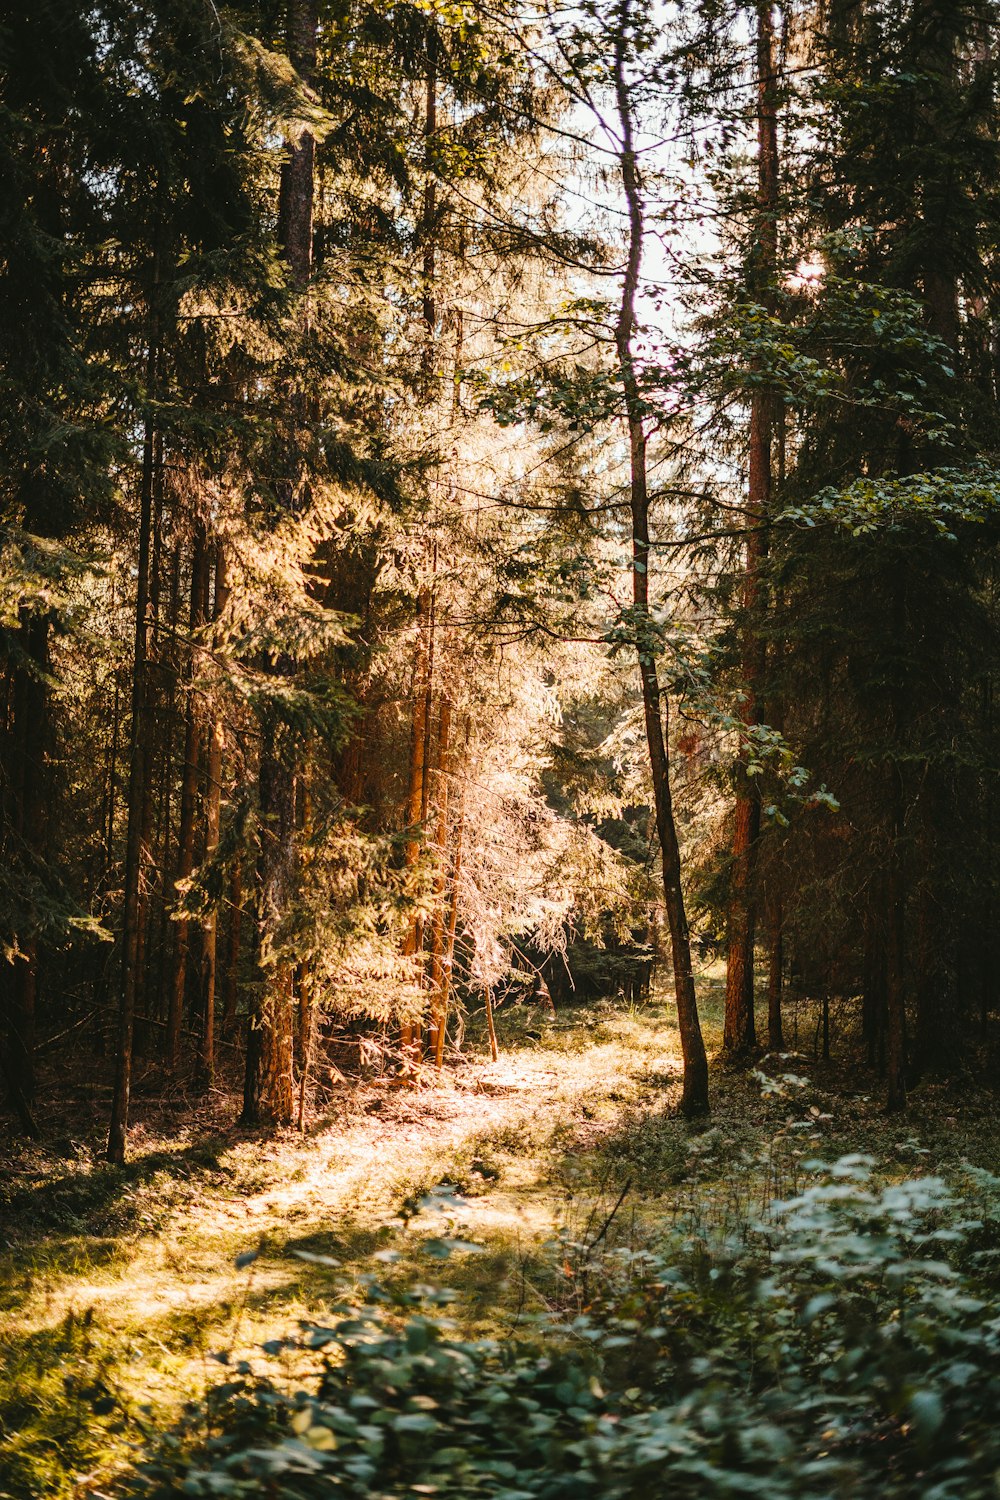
x=499, y=756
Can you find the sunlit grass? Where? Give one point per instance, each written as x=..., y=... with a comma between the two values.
x=129, y=1317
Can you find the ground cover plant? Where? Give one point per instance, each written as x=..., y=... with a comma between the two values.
x=847, y=1344
x=563, y=1254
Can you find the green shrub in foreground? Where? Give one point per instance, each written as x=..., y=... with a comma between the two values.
x=851, y=1349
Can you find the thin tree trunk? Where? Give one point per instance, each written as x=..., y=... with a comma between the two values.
x=437, y=1020
x=168, y=663
x=190, y=777
x=19, y=977
x=490, y=1025
x=268, y=1094
x=739, y=1034
x=694, y=1098
x=231, y=994
x=448, y=965
x=268, y=1088
x=112, y=772
x=150, y=731
x=305, y=1058
x=775, y=975
x=417, y=777
x=213, y=809
x=873, y=1001
x=430, y=209
x=895, y=988
x=303, y=988
x=137, y=795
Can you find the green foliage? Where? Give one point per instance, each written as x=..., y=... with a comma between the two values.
x=844, y=1346
x=941, y=499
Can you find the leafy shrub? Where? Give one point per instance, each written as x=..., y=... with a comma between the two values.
x=843, y=1348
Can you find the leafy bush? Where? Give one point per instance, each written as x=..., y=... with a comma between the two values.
x=844, y=1348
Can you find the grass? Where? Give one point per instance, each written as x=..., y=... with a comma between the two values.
x=118, y=1286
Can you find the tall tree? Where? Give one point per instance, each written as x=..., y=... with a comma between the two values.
x=739, y=1034
x=694, y=1099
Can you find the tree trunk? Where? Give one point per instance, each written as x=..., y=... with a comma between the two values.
x=895, y=989
x=190, y=777
x=137, y=797
x=26, y=812
x=739, y=1034
x=233, y=948
x=694, y=1098
x=268, y=1088
x=873, y=1000
x=268, y=1094
x=429, y=214
x=168, y=664
x=437, y=1020
x=775, y=975
x=491, y=1025
x=149, y=872
x=416, y=790
x=448, y=964
x=213, y=809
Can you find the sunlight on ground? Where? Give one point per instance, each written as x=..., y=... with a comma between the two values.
x=157, y=1303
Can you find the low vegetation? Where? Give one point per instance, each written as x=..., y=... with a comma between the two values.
x=532, y=1278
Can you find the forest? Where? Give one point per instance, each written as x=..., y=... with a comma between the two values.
x=499, y=624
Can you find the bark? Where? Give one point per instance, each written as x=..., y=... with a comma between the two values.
x=231, y=995
x=168, y=673
x=268, y=1089
x=775, y=976
x=437, y=1020
x=429, y=214
x=303, y=988
x=448, y=964
x=112, y=771
x=895, y=987
x=295, y=197
x=137, y=799
x=895, y=884
x=491, y=1025
x=739, y=1034
x=305, y=1057
x=150, y=732
x=416, y=793
x=873, y=999
x=268, y=1095
x=694, y=1098
x=190, y=777
x=213, y=808
x=26, y=814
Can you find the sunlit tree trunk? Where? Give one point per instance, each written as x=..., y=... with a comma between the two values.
x=233, y=936
x=160, y=741
x=213, y=807
x=190, y=776
x=437, y=1018
x=416, y=791
x=268, y=1094
x=448, y=962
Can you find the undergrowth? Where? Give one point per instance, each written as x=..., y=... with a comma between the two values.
x=844, y=1345
x=586, y=1196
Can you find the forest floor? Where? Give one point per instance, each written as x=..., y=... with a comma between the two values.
x=119, y=1286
